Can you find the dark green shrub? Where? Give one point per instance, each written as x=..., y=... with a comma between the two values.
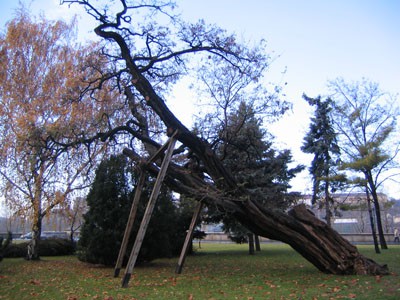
x=16, y=250
x=56, y=247
x=5, y=244
x=109, y=201
x=49, y=247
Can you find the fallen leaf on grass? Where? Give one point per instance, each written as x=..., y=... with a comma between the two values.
x=173, y=281
x=270, y=284
x=354, y=281
x=325, y=295
x=352, y=296
x=34, y=281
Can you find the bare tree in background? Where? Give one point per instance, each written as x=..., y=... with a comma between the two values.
x=365, y=119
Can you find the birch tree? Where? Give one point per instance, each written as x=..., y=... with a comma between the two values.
x=43, y=74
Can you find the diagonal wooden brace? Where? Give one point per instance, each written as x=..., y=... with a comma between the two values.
x=131, y=220
x=149, y=210
x=189, y=237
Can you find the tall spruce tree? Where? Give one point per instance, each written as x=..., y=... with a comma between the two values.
x=259, y=168
x=321, y=141
x=255, y=163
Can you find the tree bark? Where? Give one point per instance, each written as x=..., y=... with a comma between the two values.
x=375, y=200
x=33, y=247
x=251, y=243
x=371, y=219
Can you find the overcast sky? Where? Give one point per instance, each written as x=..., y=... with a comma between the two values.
x=315, y=41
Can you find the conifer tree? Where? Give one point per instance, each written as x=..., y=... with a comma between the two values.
x=109, y=202
x=321, y=141
x=255, y=164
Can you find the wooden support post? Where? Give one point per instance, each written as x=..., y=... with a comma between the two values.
x=162, y=149
x=129, y=224
x=189, y=237
x=257, y=242
x=149, y=210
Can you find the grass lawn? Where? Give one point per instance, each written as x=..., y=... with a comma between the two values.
x=217, y=271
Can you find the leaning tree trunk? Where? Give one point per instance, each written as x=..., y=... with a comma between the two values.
x=312, y=238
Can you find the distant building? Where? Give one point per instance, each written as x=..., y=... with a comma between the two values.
x=59, y=219
x=350, y=215
x=350, y=212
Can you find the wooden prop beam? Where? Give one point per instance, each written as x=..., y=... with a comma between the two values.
x=149, y=210
x=131, y=220
x=189, y=237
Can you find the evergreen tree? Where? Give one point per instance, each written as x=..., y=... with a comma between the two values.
x=167, y=228
x=259, y=168
x=321, y=141
x=255, y=164
x=109, y=205
x=109, y=202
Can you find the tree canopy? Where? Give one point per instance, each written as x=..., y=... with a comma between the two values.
x=246, y=150
x=365, y=118
x=44, y=74
x=322, y=142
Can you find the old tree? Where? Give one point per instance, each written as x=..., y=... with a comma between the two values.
x=150, y=57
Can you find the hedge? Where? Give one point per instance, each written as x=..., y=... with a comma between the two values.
x=48, y=247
